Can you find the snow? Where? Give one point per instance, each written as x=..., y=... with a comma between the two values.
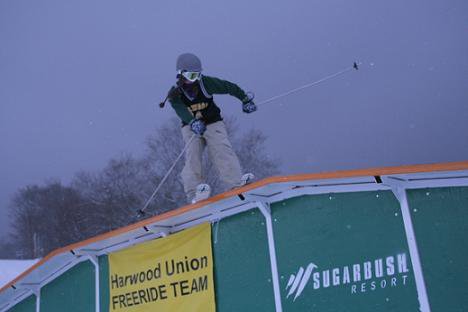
x=10, y=269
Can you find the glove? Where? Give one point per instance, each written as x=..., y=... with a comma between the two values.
x=197, y=126
x=249, y=107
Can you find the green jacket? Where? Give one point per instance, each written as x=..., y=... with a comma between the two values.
x=202, y=104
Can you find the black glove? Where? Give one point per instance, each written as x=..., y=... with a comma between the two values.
x=197, y=126
x=249, y=107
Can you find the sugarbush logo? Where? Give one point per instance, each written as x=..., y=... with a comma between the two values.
x=298, y=282
x=361, y=277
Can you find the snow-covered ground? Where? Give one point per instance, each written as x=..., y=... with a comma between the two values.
x=9, y=269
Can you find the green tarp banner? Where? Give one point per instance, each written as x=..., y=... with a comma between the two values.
x=335, y=252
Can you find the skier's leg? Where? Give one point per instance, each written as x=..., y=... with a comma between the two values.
x=192, y=172
x=222, y=155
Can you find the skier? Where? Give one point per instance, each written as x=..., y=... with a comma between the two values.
x=192, y=100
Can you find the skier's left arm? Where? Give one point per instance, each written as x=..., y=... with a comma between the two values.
x=219, y=86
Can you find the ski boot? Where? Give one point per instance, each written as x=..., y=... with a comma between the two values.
x=202, y=192
x=247, y=178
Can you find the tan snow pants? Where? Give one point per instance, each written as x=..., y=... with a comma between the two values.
x=220, y=153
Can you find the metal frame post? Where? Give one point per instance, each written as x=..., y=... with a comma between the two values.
x=37, y=293
x=266, y=211
x=94, y=260
x=399, y=190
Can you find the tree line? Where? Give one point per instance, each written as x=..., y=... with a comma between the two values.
x=52, y=215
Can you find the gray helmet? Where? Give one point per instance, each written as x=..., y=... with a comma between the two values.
x=188, y=62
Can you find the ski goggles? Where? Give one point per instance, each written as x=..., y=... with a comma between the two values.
x=190, y=76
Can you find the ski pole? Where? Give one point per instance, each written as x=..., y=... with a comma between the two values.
x=141, y=212
x=339, y=73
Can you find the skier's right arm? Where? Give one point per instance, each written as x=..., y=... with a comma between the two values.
x=181, y=109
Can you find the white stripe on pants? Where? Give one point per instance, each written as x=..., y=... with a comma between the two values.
x=221, y=155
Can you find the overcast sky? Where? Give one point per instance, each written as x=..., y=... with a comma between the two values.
x=80, y=80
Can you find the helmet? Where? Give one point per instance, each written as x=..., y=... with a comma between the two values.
x=188, y=62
